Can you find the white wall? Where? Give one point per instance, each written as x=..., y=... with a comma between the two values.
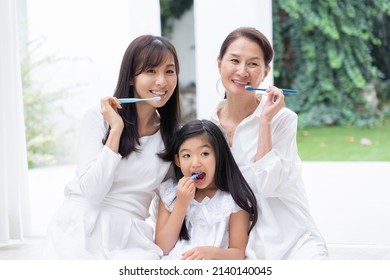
x=214, y=20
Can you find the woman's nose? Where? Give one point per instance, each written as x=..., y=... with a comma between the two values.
x=161, y=80
x=242, y=70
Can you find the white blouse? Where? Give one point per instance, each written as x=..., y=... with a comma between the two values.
x=207, y=221
x=107, y=203
x=285, y=229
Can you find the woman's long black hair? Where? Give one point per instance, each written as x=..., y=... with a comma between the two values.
x=145, y=52
x=228, y=176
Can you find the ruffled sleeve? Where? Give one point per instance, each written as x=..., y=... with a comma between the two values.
x=167, y=193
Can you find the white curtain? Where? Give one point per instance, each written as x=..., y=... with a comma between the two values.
x=15, y=220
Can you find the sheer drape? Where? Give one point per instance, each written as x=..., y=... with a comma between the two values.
x=14, y=198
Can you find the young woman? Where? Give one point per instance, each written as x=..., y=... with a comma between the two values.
x=210, y=211
x=107, y=203
x=261, y=133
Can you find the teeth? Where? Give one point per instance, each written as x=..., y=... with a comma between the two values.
x=158, y=92
x=241, y=83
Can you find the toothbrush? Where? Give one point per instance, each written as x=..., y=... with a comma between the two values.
x=196, y=175
x=193, y=177
x=285, y=91
x=132, y=100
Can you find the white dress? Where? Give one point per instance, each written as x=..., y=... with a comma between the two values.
x=285, y=228
x=207, y=221
x=106, y=204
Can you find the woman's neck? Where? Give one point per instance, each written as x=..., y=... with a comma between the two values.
x=238, y=108
x=234, y=110
x=148, y=120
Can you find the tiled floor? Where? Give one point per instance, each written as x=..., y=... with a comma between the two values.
x=349, y=201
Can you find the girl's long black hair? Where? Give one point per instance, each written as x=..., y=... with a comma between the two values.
x=228, y=176
x=145, y=52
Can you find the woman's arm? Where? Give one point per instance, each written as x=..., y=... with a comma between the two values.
x=272, y=107
x=108, y=108
x=238, y=239
x=169, y=223
x=97, y=163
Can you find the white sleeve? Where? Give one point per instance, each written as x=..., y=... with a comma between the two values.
x=274, y=171
x=167, y=193
x=97, y=163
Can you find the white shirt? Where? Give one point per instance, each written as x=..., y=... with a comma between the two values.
x=107, y=203
x=285, y=228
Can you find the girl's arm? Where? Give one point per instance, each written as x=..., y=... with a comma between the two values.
x=169, y=224
x=238, y=239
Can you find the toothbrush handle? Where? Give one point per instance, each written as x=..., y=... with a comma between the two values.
x=128, y=100
x=285, y=91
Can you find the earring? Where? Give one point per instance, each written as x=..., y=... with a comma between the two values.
x=220, y=89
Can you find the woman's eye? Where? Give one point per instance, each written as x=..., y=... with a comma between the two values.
x=205, y=154
x=171, y=72
x=253, y=64
x=234, y=60
x=151, y=70
x=186, y=156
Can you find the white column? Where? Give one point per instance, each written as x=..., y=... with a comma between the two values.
x=214, y=20
x=145, y=17
x=14, y=203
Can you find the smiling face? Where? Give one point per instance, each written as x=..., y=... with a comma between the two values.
x=242, y=64
x=196, y=155
x=158, y=81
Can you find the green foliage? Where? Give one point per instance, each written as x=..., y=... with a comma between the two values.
x=382, y=60
x=170, y=10
x=323, y=49
x=39, y=108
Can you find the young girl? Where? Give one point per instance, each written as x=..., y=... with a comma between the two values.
x=107, y=203
x=210, y=212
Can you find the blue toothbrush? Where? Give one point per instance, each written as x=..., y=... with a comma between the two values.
x=196, y=175
x=193, y=177
x=132, y=100
x=285, y=91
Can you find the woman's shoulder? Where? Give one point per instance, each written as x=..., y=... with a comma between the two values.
x=285, y=115
x=93, y=117
x=93, y=112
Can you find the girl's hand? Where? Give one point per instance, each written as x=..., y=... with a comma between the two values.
x=272, y=107
x=109, y=109
x=185, y=191
x=199, y=253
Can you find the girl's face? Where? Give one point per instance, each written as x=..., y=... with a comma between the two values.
x=196, y=155
x=242, y=65
x=159, y=81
